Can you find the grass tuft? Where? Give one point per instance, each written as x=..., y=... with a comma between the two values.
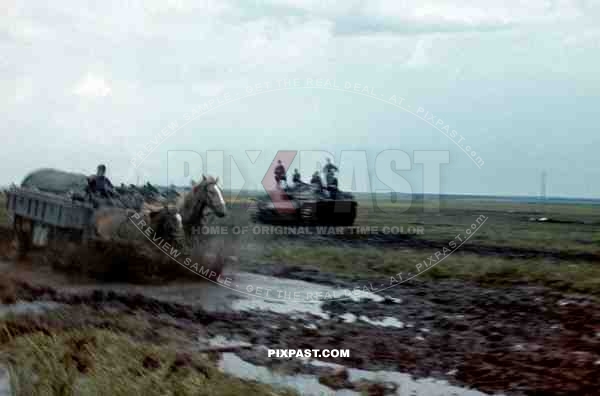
x=101, y=362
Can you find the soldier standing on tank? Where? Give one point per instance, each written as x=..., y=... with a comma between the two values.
x=297, y=178
x=280, y=174
x=316, y=181
x=329, y=169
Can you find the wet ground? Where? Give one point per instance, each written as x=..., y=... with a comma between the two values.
x=513, y=340
x=423, y=337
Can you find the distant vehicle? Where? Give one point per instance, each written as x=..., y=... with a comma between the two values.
x=310, y=206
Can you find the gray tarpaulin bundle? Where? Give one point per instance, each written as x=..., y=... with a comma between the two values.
x=55, y=181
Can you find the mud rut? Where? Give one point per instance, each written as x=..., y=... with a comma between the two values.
x=514, y=340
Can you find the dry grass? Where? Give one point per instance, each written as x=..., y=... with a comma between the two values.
x=81, y=350
x=101, y=362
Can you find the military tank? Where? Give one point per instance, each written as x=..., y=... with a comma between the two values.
x=309, y=206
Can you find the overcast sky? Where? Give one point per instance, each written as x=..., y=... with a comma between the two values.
x=84, y=82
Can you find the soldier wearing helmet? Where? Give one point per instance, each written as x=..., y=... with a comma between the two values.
x=316, y=181
x=280, y=174
x=329, y=169
x=297, y=179
x=100, y=184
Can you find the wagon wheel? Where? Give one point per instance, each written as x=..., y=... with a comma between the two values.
x=24, y=235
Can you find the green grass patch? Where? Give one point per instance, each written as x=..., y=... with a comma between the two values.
x=372, y=262
x=101, y=362
x=575, y=227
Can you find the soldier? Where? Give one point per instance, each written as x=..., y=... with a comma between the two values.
x=316, y=180
x=100, y=184
x=296, y=178
x=280, y=174
x=329, y=169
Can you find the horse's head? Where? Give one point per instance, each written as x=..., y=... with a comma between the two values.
x=213, y=195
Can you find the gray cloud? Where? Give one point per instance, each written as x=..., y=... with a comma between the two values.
x=361, y=25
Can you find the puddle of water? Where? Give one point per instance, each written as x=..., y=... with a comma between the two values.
x=223, y=342
x=320, y=363
x=386, y=322
x=394, y=300
x=409, y=386
x=288, y=296
x=406, y=384
x=212, y=297
x=287, y=307
x=256, y=292
x=356, y=295
x=306, y=384
x=23, y=307
x=220, y=341
x=5, y=387
x=348, y=317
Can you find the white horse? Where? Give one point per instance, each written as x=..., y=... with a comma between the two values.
x=195, y=206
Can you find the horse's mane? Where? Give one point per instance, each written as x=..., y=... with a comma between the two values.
x=206, y=181
x=184, y=202
x=195, y=188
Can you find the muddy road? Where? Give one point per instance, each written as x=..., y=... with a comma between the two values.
x=512, y=340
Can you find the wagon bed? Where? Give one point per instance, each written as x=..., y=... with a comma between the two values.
x=37, y=215
x=48, y=208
